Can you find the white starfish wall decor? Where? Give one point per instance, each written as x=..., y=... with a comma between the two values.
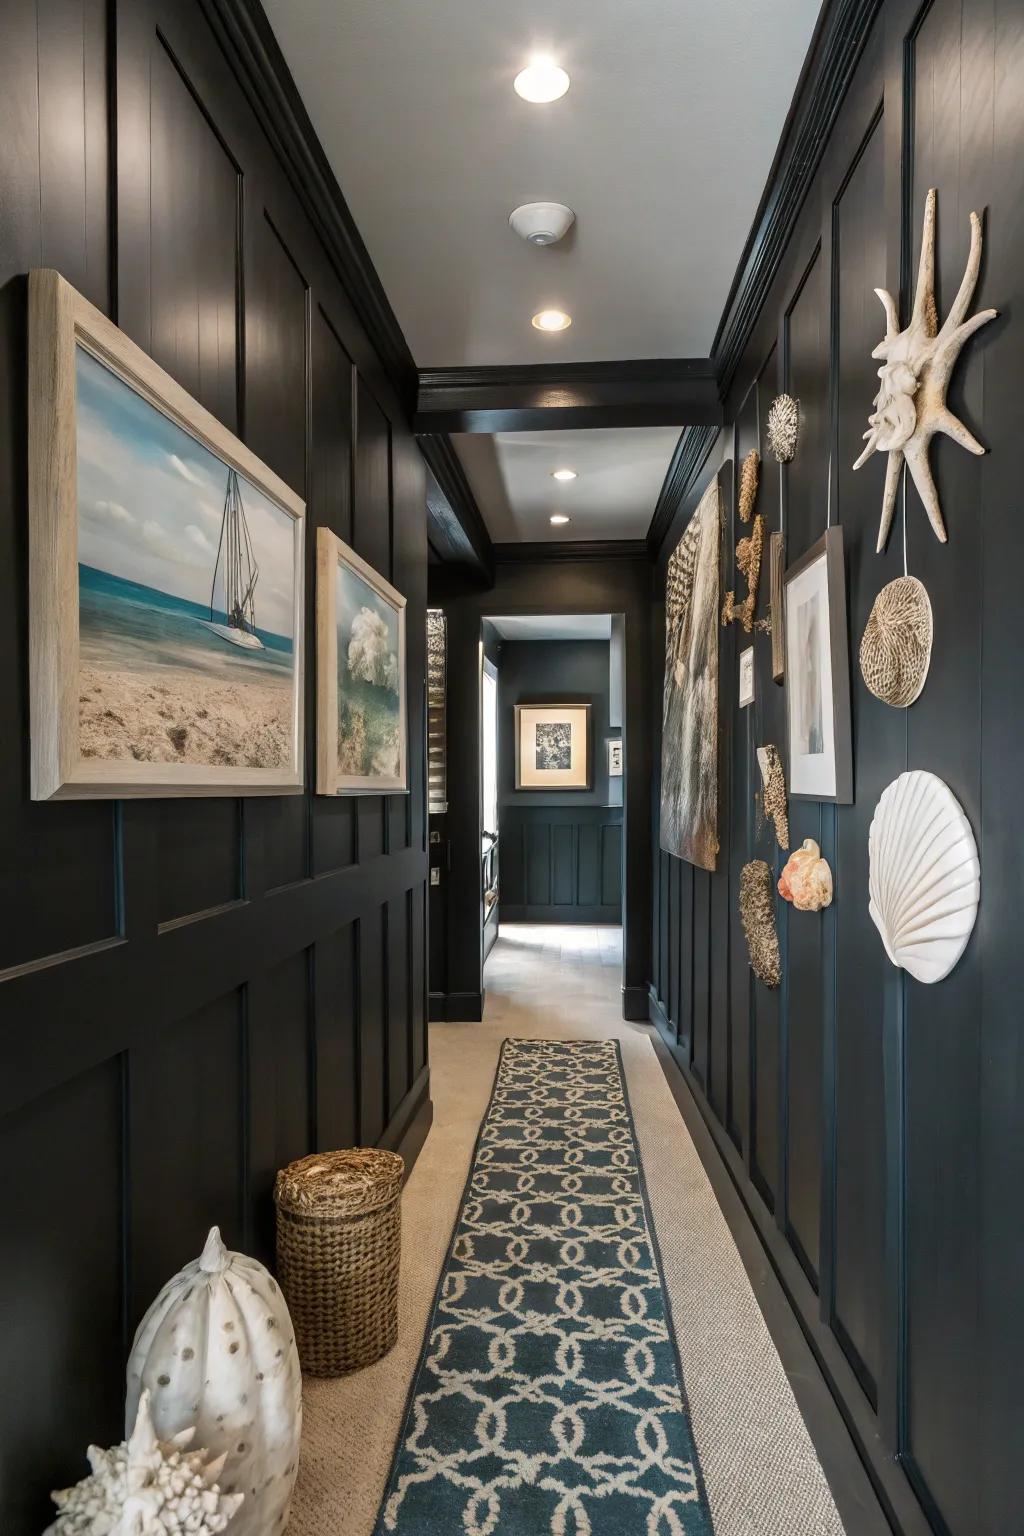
x=917, y=363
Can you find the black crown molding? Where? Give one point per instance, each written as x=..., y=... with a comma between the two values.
x=455, y=529
x=839, y=40
x=547, y=396
x=571, y=549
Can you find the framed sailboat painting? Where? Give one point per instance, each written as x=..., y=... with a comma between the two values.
x=165, y=578
x=362, y=730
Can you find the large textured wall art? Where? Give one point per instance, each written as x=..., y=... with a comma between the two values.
x=924, y=877
x=689, y=735
x=917, y=362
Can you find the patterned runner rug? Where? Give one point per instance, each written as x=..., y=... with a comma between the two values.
x=548, y=1397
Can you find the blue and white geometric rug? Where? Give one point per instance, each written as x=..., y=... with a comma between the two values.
x=548, y=1399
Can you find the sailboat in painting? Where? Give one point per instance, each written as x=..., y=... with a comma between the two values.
x=241, y=574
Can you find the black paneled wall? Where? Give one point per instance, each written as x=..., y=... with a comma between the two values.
x=872, y=1123
x=191, y=992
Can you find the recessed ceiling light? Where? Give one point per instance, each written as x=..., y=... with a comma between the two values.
x=551, y=320
x=563, y=474
x=542, y=80
x=558, y=518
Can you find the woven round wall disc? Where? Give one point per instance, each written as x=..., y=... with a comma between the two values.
x=896, y=646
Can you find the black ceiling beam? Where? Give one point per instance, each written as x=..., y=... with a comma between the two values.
x=543, y=552
x=455, y=529
x=659, y=392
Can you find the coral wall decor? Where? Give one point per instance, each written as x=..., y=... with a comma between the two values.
x=748, y=562
x=147, y=1487
x=917, y=362
x=806, y=880
x=757, y=912
x=783, y=427
x=896, y=646
x=924, y=877
x=774, y=781
x=216, y=1351
x=750, y=476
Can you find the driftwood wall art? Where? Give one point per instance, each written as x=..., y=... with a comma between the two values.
x=774, y=781
x=748, y=563
x=896, y=647
x=776, y=571
x=917, y=362
x=757, y=913
x=783, y=427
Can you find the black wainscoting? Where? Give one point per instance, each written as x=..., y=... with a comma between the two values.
x=191, y=992
x=561, y=864
x=871, y=1124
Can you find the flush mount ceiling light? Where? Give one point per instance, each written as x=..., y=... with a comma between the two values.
x=558, y=518
x=542, y=80
x=541, y=223
x=563, y=474
x=551, y=320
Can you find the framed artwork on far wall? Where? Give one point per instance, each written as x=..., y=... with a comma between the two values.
x=746, y=677
x=165, y=578
x=818, y=674
x=553, y=746
x=362, y=729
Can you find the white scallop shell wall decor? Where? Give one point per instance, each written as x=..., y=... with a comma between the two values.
x=783, y=427
x=216, y=1351
x=924, y=880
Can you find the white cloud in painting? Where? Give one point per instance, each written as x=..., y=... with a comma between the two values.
x=369, y=652
x=151, y=499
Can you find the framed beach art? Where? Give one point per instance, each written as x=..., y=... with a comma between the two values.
x=165, y=578
x=362, y=728
x=553, y=746
x=818, y=674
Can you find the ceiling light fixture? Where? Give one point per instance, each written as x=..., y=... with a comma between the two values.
x=542, y=80
x=551, y=320
x=563, y=474
x=558, y=518
x=541, y=223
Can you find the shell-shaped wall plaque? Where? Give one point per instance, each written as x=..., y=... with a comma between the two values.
x=924, y=879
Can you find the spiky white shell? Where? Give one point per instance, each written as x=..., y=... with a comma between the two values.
x=217, y=1350
x=924, y=881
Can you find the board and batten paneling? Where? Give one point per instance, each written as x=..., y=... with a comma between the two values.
x=871, y=1123
x=191, y=993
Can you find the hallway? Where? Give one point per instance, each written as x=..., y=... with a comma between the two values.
x=760, y=1471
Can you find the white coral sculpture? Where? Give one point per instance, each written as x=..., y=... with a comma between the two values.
x=146, y=1487
x=917, y=363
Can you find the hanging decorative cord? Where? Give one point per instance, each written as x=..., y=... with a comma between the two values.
x=828, y=504
x=905, y=572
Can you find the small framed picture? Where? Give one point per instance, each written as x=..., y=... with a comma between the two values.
x=746, y=677
x=818, y=674
x=553, y=746
x=615, y=757
x=360, y=653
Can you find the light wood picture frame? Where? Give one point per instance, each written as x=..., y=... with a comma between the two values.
x=818, y=674
x=553, y=747
x=166, y=579
x=362, y=720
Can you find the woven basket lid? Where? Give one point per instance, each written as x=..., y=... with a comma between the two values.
x=896, y=646
x=333, y=1185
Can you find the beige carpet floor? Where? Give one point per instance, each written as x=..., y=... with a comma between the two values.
x=760, y=1468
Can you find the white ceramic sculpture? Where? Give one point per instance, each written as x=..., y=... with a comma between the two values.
x=924, y=879
x=216, y=1350
x=917, y=362
x=146, y=1487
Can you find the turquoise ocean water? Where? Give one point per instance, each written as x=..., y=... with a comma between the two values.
x=124, y=625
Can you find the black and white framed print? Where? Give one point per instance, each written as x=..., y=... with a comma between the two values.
x=818, y=674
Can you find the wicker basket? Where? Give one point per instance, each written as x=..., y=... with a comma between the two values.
x=338, y=1245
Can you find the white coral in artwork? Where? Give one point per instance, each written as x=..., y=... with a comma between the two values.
x=370, y=656
x=146, y=1487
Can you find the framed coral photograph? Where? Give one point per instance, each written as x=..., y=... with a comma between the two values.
x=165, y=578
x=362, y=729
x=818, y=674
x=553, y=746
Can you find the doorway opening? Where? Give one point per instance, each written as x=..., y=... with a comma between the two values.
x=552, y=754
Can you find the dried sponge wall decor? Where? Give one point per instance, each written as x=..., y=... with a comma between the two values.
x=783, y=427
x=750, y=476
x=917, y=362
x=896, y=646
x=774, y=780
x=748, y=561
x=757, y=912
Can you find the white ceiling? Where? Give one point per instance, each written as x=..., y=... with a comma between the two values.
x=662, y=146
x=567, y=626
x=619, y=474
